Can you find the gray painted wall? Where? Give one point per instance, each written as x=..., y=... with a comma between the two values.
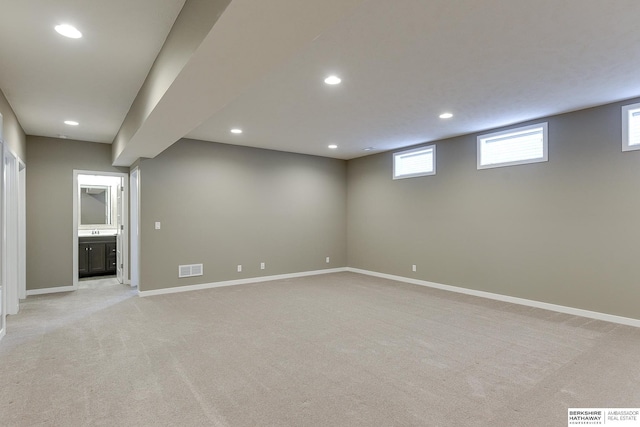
x=12, y=132
x=224, y=205
x=50, y=204
x=564, y=232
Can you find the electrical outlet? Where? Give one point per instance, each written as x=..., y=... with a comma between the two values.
x=239, y=268
x=157, y=225
x=328, y=260
x=262, y=266
x=414, y=268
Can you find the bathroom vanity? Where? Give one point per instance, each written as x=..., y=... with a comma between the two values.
x=96, y=255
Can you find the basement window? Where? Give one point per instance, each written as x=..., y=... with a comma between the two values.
x=417, y=162
x=631, y=127
x=519, y=146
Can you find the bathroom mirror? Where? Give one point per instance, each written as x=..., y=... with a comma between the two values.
x=95, y=205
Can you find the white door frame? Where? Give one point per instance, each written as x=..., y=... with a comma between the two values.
x=11, y=231
x=3, y=293
x=22, y=230
x=3, y=288
x=125, y=221
x=134, y=177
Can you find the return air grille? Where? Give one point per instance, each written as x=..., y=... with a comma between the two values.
x=190, y=270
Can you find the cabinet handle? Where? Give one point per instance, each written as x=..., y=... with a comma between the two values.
x=90, y=249
x=86, y=249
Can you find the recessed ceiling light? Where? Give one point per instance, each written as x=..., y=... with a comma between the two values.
x=369, y=149
x=332, y=80
x=68, y=31
x=236, y=130
x=446, y=115
x=333, y=146
x=71, y=123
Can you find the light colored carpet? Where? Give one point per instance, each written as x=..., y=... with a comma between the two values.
x=331, y=350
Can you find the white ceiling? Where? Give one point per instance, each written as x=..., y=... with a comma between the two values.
x=489, y=62
x=93, y=80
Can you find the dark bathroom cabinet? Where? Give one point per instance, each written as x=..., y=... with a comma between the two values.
x=96, y=256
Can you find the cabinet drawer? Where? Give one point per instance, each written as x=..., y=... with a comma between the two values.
x=111, y=249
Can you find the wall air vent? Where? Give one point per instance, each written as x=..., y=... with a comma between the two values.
x=190, y=270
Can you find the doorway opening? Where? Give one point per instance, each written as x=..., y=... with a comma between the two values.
x=134, y=181
x=100, y=232
x=12, y=232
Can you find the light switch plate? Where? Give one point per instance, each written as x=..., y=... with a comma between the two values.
x=157, y=225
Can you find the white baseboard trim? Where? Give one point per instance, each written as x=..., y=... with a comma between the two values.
x=50, y=290
x=198, y=287
x=505, y=298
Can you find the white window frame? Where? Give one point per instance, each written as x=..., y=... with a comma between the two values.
x=545, y=145
x=415, y=151
x=627, y=110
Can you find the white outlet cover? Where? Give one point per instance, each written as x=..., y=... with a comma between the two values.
x=239, y=268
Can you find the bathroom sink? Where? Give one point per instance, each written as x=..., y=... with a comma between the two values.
x=90, y=233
